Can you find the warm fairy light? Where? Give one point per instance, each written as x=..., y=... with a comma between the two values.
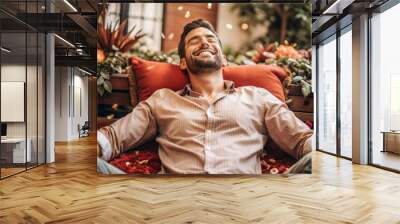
x=180, y=8
x=162, y=36
x=209, y=5
x=229, y=26
x=114, y=106
x=187, y=14
x=171, y=36
x=244, y=26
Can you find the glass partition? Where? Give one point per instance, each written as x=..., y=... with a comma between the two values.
x=22, y=88
x=14, y=145
x=327, y=96
x=385, y=89
x=346, y=93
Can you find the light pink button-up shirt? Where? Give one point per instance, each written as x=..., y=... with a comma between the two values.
x=226, y=136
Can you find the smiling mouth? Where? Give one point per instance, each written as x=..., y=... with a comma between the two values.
x=204, y=50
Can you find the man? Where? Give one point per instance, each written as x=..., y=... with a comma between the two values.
x=210, y=126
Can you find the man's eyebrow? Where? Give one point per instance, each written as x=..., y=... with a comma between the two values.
x=198, y=36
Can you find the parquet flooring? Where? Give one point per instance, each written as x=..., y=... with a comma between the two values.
x=70, y=191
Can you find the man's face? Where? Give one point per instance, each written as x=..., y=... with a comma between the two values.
x=203, y=52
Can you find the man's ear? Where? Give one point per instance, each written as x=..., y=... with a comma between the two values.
x=182, y=64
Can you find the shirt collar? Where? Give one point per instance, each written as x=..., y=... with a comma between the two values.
x=229, y=88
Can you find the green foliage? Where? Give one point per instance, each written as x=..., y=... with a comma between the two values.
x=115, y=62
x=290, y=22
x=300, y=71
x=144, y=52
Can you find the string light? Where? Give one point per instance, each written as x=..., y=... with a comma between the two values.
x=170, y=36
x=244, y=26
x=187, y=14
x=180, y=8
x=229, y=26
x=209, y=5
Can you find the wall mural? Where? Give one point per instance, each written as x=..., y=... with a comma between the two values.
x=204, y=88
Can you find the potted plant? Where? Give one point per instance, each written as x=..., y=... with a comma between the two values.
x=112, y=45
x=114, y=76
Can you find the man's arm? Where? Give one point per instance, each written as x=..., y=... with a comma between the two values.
x=285, y=129
x=127, y=132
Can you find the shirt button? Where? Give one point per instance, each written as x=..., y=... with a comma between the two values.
x=209, y=112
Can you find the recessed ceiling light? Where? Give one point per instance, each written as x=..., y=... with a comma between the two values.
x=5, y=50
x=64, y=40
x=84, y=71
x=70, y=5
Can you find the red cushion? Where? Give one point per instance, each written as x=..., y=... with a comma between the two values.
x=255, y=75
x=152, y=76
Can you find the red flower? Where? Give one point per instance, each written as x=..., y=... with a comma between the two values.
x=139, y=162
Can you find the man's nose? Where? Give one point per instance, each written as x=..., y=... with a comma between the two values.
x=204, y=42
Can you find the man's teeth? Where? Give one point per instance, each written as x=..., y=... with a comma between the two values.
x=205, y=53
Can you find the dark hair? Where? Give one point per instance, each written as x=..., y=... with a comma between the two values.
x=191, y=26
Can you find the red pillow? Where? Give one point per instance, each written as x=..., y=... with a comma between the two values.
x=255, y=75
x=152, y=76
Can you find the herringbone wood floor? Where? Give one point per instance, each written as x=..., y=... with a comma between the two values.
x=70, y=191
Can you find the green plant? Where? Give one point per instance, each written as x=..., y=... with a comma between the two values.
x=115, y=62
x=114, y=39
x=297, y=63
x=300, y=72
x=143, y=52
x=112, y=44
x=285, y=22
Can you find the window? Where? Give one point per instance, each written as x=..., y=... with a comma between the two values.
x=113, y=14
x=346, y=93
x=148, y=17
x=327, y=96
x=385, y=87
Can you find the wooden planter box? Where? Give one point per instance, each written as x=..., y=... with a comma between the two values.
x=302, y=107
x=123, y=93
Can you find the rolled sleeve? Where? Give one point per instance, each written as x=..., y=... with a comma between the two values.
x=128, y=132
x=105, y=146
x=285, y=129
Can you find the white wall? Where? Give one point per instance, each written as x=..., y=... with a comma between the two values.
x=34, y=125
x=15, y=72
x=69, y=85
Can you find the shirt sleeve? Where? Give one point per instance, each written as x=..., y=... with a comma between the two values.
x=128, y=132
x=285, y=129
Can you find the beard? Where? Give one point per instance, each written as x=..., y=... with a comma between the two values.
x=197, y=66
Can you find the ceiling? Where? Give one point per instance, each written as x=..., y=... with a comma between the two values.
x=73, y=20
x=330, y=15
